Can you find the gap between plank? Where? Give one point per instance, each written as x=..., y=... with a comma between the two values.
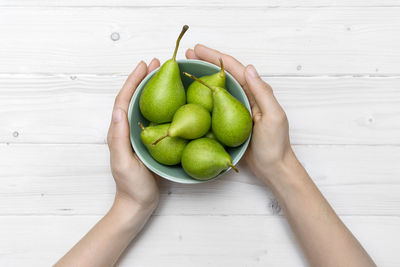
x=206, y=6
x=184, y=215
x=103, y=143
x=66, y=74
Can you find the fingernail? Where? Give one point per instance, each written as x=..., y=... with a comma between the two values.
x=252, y=71
x=117, y=115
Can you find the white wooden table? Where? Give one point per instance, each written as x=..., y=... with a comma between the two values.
x=334, y=66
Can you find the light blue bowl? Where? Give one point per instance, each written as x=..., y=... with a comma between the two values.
x=176, y=173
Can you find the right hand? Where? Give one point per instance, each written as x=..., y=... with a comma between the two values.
x=270, y=145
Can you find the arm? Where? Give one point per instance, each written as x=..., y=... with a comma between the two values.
x=323, y=237
x=136, y=190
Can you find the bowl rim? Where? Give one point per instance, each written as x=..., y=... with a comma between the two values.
x=163, y=174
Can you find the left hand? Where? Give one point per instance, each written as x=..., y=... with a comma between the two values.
x=269, y=148
x=135, y=184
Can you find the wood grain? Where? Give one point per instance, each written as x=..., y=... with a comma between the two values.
x=334, y=67
x=321, y=110
x=288, y=41
x=191, y=3
x=75, y=179
x=189, y=240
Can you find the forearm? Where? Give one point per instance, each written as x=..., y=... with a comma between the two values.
x=324, y=238
x=105, y=242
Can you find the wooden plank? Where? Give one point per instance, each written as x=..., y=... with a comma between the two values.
x=327, y=164
x=294, y=41
x=75, y=179
x=189, y=240
x=57, y=109
x=217, y=3
x=321, y=110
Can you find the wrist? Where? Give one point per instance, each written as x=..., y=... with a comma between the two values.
x=284, y=174
x=144, y=205
x=129, y=213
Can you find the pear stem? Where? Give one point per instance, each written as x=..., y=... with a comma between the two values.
x=184, y=29
x=221, y=64
x=234, y=167
x=159, y=139
x=198, y=80
x=141, y=125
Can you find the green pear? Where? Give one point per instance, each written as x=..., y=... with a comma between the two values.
x=190, y=121
x=164, y=92
x=205, y=158
x=169, y=150
x=202, y=95
x=231, y=120
x=152, y=123
x=211, y=135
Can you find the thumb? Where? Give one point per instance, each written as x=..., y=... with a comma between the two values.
x=119, y=139
x=262, y=92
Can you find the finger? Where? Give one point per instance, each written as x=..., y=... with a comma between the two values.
x=124, y=96
x=154, y=64
x=250, y=96
x=262, y=92
x=119, y=142
x=231, y=65
x=190, y=54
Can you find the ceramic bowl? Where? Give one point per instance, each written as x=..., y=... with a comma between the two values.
x=176, y=173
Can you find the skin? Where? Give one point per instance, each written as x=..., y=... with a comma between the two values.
x=323, y=237
x=136, y=190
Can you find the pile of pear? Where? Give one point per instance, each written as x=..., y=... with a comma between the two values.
x=192, y=127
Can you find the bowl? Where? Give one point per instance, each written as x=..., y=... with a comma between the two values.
x=176, y=173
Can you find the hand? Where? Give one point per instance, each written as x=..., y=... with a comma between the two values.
x=324, y=238
x=270, y=146
x=135, y=184
x=137, y=192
